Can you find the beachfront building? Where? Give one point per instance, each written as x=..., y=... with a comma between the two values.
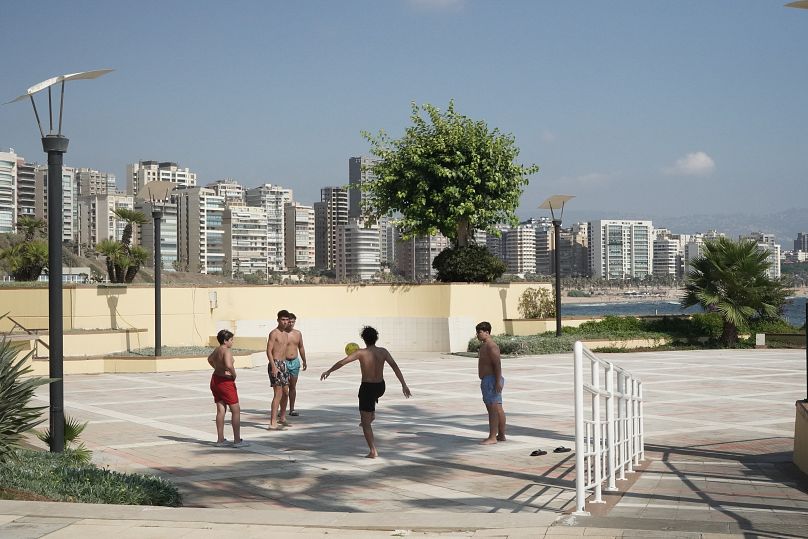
x=299, y=236
x=143, y=172
x=97, y=220
x=620, y=249
x=357, y=250
x=8, y=191
x=329, y=214
x=245, y=240
x=69, y=201
x=520, y=248
x=767, y=243
x=168, y=231
x=273, y=198
x=200, y=230
x=94, y=182
x=414, y=256
x=229, y=189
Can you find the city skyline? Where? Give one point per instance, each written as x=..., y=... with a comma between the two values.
x=688, y=105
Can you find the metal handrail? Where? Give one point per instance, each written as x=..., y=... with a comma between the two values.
x=615, y=443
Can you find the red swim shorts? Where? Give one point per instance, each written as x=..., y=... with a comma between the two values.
x=223, y=389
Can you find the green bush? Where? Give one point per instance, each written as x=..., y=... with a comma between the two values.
x=772, y=326
x=16, y=416
x=57, y=477
x=470, y=264
x=536, y=303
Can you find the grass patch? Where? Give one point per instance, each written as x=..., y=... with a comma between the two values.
x=42, y=475
x=697, y=332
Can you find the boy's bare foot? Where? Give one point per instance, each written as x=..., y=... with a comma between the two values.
x=372, y=455
x=275, y=427
x=489, y=441
x=501, y=438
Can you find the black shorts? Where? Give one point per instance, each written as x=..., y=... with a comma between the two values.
x=369, y=393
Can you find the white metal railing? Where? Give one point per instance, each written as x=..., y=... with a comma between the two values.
x=606, y=448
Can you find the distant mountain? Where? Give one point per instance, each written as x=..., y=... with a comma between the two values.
x=784, y=225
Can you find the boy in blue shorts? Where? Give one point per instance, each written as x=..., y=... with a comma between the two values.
x=489, y=368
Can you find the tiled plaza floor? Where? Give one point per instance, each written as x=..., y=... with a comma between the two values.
x=719, y=432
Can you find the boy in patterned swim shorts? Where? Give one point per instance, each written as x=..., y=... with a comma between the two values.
x=278, y=375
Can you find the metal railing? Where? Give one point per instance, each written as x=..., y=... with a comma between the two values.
x=606, y=448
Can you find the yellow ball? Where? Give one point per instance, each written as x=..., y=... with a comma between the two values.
x=350, y=348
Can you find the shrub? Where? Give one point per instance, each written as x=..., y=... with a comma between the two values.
x=469, y=264
x=73, y=450
x=16, y=416
x=772, y=326
x=57, y=477
x=536, y=303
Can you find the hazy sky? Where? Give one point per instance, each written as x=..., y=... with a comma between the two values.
x=646, y=107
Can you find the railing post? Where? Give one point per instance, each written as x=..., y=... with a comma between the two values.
x=642, y=421
x=580, y=495
x=610, y=443
x=636, y=409
x=597, y=444
x=629, y=387
x=621, y=425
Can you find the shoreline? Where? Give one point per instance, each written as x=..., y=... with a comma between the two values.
x=660, y=295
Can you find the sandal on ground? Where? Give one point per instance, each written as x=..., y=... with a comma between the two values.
x=294, y=413
x=538, y=453
x=562, y=449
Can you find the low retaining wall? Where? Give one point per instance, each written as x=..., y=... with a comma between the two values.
x=801, y=437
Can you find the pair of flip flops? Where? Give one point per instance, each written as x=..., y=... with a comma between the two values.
x=560, y=449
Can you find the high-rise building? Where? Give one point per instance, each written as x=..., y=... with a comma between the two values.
x=544, y=244
x=96, y=220
x=94, y=182
x=358, y=173
x=329, y=214
x=69, y=200
x=520, y=249
x=801, y=243
x=8, y=191
x=245, y=240
x=414, y=256
x=26, y=189
x=767, y=242
x=168, y=231
x=620, y=249
x=667, y=257
x=200, y=230
x=273, y=198
x=388, y=235
x=299, y=222
x=357, y=251
x=143, y=172
x=496, y=243
x=232, y=191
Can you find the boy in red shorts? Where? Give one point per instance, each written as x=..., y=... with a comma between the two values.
x=223, y=387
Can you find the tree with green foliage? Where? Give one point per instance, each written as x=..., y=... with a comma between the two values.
x=730, y=279
x=447, y=174
x=26, y=255
x=124, y=260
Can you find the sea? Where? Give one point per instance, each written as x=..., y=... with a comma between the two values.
x=793, y=310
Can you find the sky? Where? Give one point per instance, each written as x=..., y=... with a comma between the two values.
x=640, y=108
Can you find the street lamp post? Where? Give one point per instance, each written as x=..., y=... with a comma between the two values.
x=556, y=202
x=55, y=145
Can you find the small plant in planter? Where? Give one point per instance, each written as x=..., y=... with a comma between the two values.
x=536, y=303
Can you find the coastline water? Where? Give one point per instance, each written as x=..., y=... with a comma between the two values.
x=793, y=311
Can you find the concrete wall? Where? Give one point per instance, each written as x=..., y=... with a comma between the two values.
x=429, y=317
x=801, y=437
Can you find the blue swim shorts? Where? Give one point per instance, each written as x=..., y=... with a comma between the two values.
x=293, y=366
x=489, y=389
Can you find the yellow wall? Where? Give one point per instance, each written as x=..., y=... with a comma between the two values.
x=801, y=437
x=427, y=317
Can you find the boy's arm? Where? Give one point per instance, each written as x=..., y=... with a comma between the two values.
x=496, y=363
x=302, y=350
x=393, y=365
x=339, y=364
x=229, y=364
x=272, y=366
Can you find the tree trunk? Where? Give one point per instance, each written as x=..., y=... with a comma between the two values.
x=463, y=232
x=131, y=271
x=729, y=335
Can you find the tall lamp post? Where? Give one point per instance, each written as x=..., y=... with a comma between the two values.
x=803, y=4
x=55, y=145
x=158, y=195
x=556, y=203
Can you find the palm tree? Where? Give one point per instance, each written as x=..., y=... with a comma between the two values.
x=30, y=226
x=113, y=251
x=25, y=260
x=132, y=217
x=730, y=279
x=137, y=256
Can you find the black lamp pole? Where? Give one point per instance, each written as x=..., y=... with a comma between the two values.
x=557, y=236
x=158, y=259
x=55, y=146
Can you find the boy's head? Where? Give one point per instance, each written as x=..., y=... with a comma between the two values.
x=224, y=335
x=369, y=335
x=283, y=318
x=292, y=320
x=483, y=330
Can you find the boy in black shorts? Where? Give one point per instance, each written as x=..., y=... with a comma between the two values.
x=371, y=362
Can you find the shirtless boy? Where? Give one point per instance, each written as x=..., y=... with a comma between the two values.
x=295, y=351
x=489, y=368
x=371, y=361
x=278, y=375
x=223, y=387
